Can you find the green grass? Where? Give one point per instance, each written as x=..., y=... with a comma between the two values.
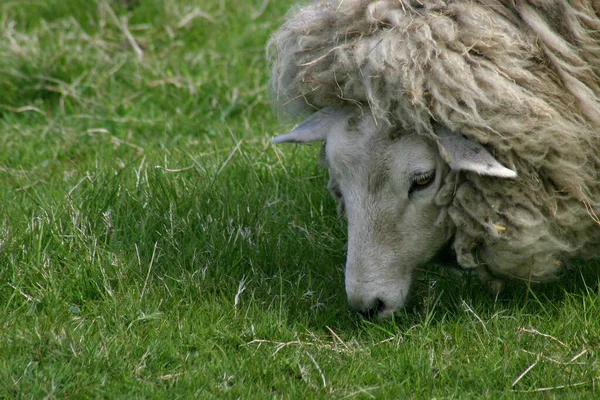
x=155, y=244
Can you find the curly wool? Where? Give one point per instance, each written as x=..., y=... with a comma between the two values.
x=521, y=77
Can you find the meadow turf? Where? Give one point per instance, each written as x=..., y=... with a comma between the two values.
x=155, y=244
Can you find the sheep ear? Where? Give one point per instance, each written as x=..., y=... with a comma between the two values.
x=463, y=154
x=314, y=128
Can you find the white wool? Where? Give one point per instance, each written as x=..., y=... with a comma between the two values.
x=521, y=77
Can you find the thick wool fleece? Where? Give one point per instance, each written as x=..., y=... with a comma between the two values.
x=521, y=77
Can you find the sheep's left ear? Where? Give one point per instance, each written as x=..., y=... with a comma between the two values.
x=314, y=128
x=463, y=154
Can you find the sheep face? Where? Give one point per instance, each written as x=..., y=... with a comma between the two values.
x=388, y=186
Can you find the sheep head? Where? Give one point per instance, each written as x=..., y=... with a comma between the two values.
x=391, y=189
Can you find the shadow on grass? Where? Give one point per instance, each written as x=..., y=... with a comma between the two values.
x=442, y=293
x=280, y=243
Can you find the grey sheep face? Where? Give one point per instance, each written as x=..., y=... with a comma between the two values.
x=394, y=223
x=389, y=188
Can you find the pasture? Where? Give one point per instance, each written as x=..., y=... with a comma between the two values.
x=155, y=244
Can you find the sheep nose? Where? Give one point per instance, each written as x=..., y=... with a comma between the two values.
x=369, y=310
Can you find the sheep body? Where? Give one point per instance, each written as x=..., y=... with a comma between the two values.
x=521, y=77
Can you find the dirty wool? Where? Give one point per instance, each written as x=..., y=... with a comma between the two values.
x=520, y=77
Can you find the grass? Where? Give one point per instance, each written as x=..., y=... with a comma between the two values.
x=154, y=244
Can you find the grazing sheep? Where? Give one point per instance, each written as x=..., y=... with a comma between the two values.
x=473, y=123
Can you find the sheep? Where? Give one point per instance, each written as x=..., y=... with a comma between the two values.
x=473, y=124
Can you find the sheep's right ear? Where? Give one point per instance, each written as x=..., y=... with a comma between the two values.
x=314, y=128
x=464, y=154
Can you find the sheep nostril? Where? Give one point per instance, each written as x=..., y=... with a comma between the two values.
x=377, y=306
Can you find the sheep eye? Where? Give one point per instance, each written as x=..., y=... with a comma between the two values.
x=422, y=181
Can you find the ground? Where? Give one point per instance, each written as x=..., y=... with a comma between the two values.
x=154, y=243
